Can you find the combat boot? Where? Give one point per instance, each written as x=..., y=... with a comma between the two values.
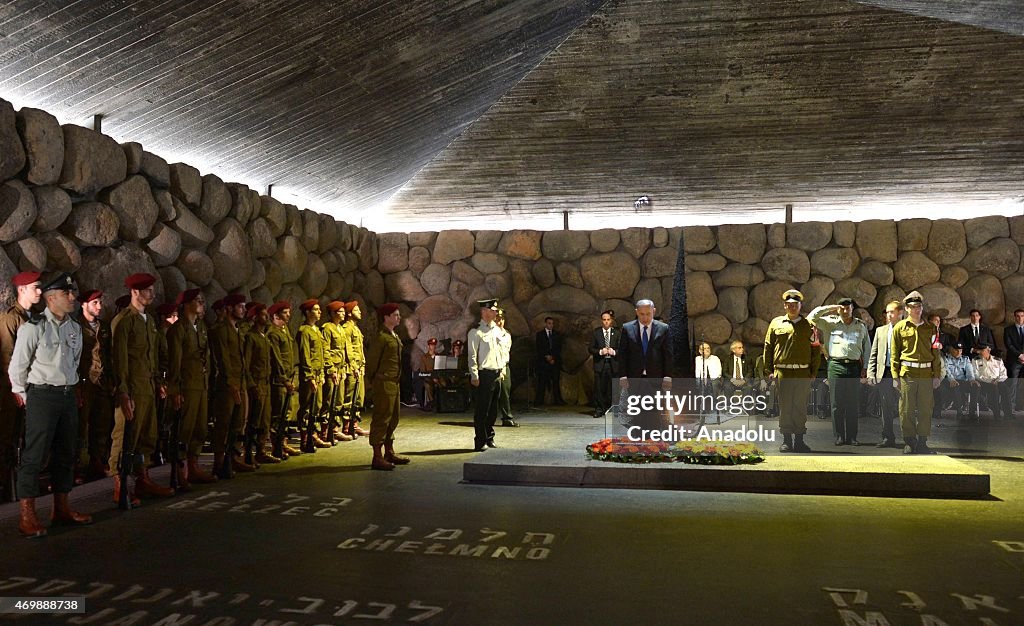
x=221, y=469
x=357, y=429
x=267, y=458
x=29, y=525
x=911, y=445
x=799, y=445
x=787, y=443
x=144, y=486
x=379, y=462
x=238, y=464
x=291, y=450
x=64, y=515
x=318, y=442
x=132, y=499
x=196, y=473
x=922, y=447
x=182, y=470
x=391, y=457
x=340, y=435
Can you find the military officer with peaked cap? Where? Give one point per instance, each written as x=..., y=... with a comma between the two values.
x=44, y=375
x=917, y=366
x=134, y=350
x=486, y=364
x=791, y=359
x=11, y=415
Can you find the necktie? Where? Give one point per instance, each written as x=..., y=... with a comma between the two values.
x=888, y=348
x=550, y=344
x=738, y=368
x=1020, y=332
x=607, y=338
x=643, y=340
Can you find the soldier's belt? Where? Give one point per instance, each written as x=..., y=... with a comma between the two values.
x=790, y=366
x=916, y=365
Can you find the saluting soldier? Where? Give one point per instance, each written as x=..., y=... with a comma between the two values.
x=12, y=416
x=337, y=361
x=917, y=366
x=283, y=377
x=188, y=381
x=311, y=376
x=229, y=383
x=134, y=348
x=354, y=389
x=793, y=361
x=257, y=356
x=848, y=347
x=44, y=373
x=384, y=369
x=96, y=415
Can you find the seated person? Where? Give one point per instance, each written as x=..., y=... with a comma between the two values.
x=737, y=370
x=423, y=383
x=708, y=367
x=958, y=382
x=991, y=376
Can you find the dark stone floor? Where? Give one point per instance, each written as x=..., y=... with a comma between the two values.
x=323, y=540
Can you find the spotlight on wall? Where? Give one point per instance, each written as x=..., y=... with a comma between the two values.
x=643, y=203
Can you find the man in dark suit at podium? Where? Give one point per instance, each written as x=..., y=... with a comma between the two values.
x=604, y=345
x=1013, y=339
x=549, y=362
x=645, y=352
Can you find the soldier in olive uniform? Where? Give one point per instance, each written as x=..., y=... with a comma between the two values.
x=917, y=366
x=337, y=362
x=134, y=348
x=257, y=356
x=383, y=370
x=12, y=416
x=229, y=383
x=44, y=374
x=311, y=376
x=283, y=377
x=96, y=415
x=188, y=381
x=848, y=347
x=793, y=361
x=354, y=389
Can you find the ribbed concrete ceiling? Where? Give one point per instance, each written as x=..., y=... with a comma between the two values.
x=726, y=105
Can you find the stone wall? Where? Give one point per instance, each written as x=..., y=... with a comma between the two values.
x=75, y=200
x=735, y=276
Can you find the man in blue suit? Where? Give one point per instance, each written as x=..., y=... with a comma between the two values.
x=645, y=352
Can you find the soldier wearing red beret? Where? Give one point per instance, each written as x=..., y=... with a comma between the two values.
x=311, y=376
x=354, y=389
x=12, y=417
x=256, y=347
x=384, y=369
x=229, y=383
x=96, y=415
x=334, y=383
x=283, y=377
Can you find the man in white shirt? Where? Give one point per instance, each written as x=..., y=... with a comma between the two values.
x=486, y=363
x=992, y=378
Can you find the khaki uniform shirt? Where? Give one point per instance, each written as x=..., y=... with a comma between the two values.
x=354, y=346
x=257, y=355
x=842, y=341
x=226, y=344
x=912, y=343
x=134, y=348
x=10, y=321
x=46, y=352
x=336, y=348
x=789, y=343
x=384, y=361
x=311, y=353
x=188, y=357
x=283, y=356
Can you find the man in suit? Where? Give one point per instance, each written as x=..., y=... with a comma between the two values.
x=604, y=345
x=645, y=352
x=974, y=334
x=880, y=374
x=549, y=362
x=1013, y=339
x=738, y=370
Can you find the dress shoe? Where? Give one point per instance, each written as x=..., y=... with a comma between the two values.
x=885, y=443
x=491, y=444
x=481, y=448
x=63, y=515
x=853, y=442
x=786, y=447
x=511, y=423
x=800, y=446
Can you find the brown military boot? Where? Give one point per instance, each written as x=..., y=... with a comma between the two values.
x=144, y=486
x=29, y=525
x=290, y=450
x=183, y=482
x=134, y=500
x=238, y=464
x=265, y=456
x=357, y=429
x=320, y=443
x=340, y=435
x=196, y=474
x=63, y=515
x=379, y=462
x=391, y=457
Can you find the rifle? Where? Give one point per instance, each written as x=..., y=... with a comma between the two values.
x=282, y=420
x=307, y=444
x=250, y=435
x=175, y=447
x=164, y=427
x=126, y=464
x=330, y=410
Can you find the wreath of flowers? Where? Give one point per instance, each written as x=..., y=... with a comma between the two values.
x=625, y=450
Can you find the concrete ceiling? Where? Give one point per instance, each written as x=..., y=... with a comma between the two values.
x=506, y=112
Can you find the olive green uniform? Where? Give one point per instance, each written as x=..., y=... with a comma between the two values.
x=12, y=417
x=789, y=354
x=134, y=352
x=257, y=356
x=188, y=374
x=354, y=387
x=283, y=372
x=384, y=368
x=336, y=355
x=226, y=344
x=311, y=372
x=96, y=417
x=915, y=364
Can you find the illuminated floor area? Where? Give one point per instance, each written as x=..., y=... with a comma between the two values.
x=323, y=540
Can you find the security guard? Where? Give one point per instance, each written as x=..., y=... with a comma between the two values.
x=848, y=346
x=336, y=354
x=505, y=387
x=228, y=386
x=917, y=366
x=793, y=361
x=188, y=381
x=96, y=415
x=354, y=389
x=311, y=376
x=257, y=356
x=12, y=417
x=486, y=364
x=44, y=373
x=384, y=369
x=283, y=377
x=134, y=348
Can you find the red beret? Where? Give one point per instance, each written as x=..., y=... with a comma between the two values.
x=89, y=296
x=387, y=309
x=139, y=281
x=254, y=309
x=166, y=309
x=187, y=296
x=335, y=306
x=309, y=304
x=123, y=301
x=233, y=299
x=25, y=278
x=350, y=305
x=278, y=306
